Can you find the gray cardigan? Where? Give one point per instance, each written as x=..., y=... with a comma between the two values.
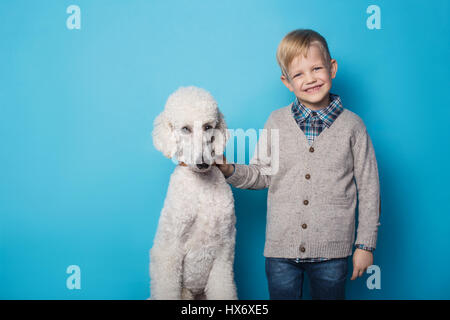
x=313, y=190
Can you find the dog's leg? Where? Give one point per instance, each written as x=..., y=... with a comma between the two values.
x=166, y=257
x=166, y=272
x=221, y=285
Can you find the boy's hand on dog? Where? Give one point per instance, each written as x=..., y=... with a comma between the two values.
x=227, y=169
x=362, y=259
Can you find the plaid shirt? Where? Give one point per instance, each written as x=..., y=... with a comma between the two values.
x=312, y=124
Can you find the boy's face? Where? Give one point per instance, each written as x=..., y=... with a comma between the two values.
x=310, y=78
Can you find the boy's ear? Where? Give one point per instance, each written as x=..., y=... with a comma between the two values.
x=163, y=135
x=287, y=83
x=333, y=68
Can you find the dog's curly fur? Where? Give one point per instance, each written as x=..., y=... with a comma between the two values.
x=193, y=252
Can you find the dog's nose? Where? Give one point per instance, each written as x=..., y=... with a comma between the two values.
x=203, y=166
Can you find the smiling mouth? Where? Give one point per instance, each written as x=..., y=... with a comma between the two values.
x=313, y=89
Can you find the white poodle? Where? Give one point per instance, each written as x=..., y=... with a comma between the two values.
x=193, y=252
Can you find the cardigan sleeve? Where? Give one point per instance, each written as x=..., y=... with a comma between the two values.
x=257, y=174
x=368, y=186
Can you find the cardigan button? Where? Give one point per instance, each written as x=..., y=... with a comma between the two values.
x=304, y=226
x=311, y=149
x=302, y=249
x=307, y=176
x=305, y=202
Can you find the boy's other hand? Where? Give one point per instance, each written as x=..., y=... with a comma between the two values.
x=362, y=259
x=227, y=169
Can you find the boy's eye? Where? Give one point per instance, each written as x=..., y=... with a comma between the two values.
x=317, y=68
x=186, y=130
x=297, y=75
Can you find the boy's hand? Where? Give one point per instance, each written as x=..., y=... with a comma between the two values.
x=227, y=169
x=362, y=259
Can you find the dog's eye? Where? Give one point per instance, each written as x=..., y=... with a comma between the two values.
x=207, y=127
x=186, y=130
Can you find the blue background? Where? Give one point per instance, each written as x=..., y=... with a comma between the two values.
x=81, y=182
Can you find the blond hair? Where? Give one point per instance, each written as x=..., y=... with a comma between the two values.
x=298, y=42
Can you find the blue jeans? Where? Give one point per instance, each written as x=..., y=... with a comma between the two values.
x=285, y=278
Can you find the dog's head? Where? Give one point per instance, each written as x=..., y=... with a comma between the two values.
x=191, y=128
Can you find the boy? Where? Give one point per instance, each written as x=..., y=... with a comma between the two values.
x=326, y=160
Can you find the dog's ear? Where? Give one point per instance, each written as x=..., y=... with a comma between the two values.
x=163, y=135
x=221, y=135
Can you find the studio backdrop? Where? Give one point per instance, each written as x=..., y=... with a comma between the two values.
x=82, y=186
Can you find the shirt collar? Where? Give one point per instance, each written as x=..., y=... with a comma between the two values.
x=327, y=114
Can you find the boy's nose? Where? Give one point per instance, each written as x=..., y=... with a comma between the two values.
x=310, y=79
